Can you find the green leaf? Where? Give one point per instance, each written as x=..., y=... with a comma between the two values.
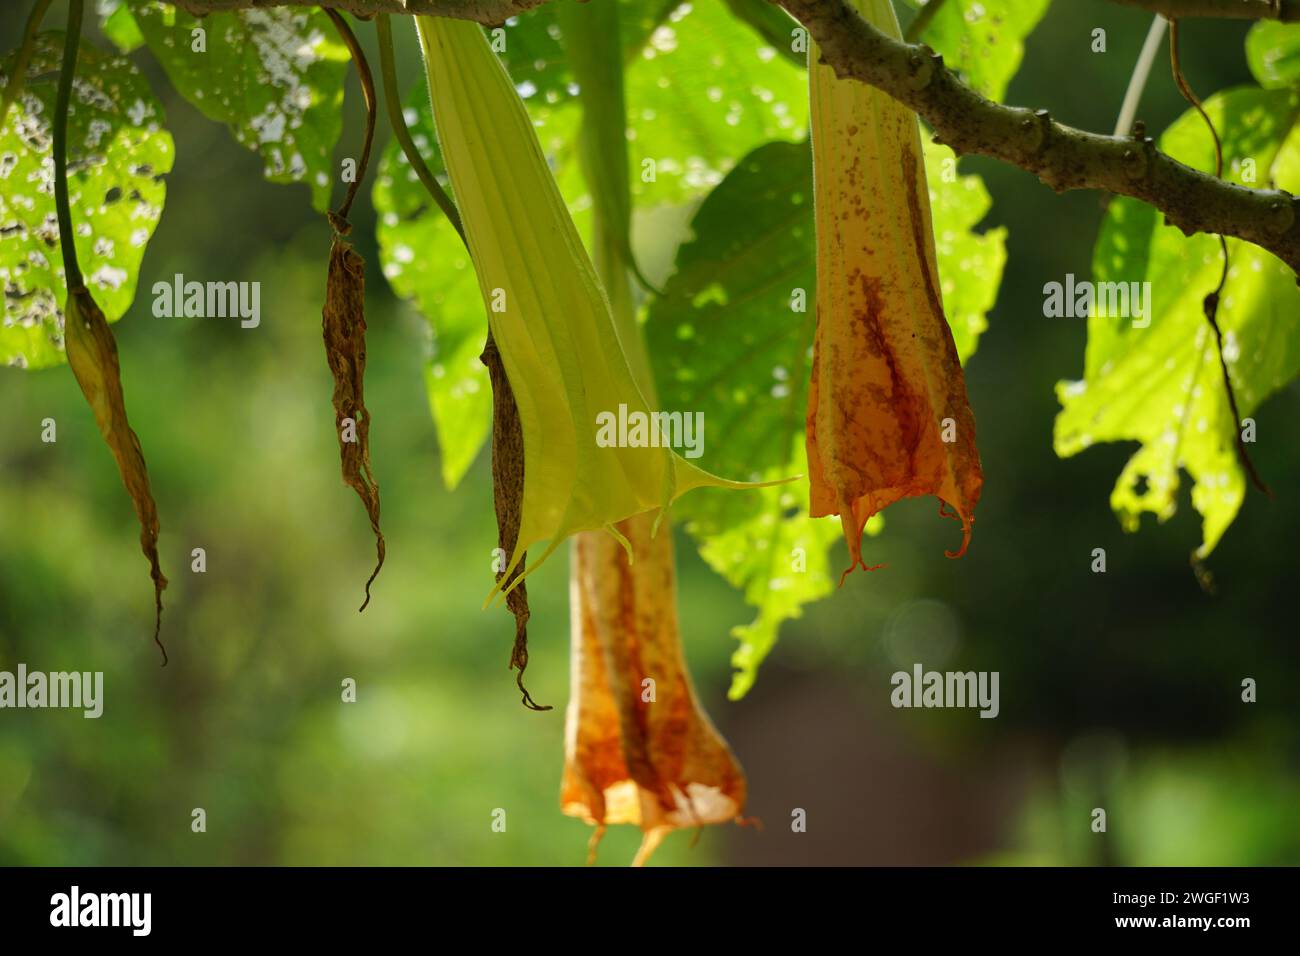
x=118, y=152
x=532, y=47
x=704, y=91
x=424, y=259
x=1273, y=52
x=778, y=557
x=723, y=337
x=638, y=20
x=982, y=39
x=727, y=340
x=1162, y=385
x=970, y=263
x=273, y=76
x=119, y=26
x=534, y=57
x=773, y=24
x=1255, y=125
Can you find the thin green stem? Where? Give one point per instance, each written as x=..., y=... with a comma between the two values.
x=397, y=120
x=15, y=85
x=921, y=21
x=591, y=35
x=1141, y=72
x=67, y=242
x=368, y=93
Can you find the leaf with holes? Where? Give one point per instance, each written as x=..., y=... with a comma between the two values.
x=274, y=76
x=118, y=152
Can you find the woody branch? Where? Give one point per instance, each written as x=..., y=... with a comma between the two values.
x=1062, y=157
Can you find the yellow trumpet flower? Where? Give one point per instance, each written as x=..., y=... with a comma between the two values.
x=888, y=416
x=547, y=311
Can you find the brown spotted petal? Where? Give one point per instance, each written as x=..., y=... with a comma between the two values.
x=657, y=764
x=888, y=416
x=344, y=328
x=92, y=355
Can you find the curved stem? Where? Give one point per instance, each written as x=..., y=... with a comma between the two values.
x=18, y=75
x=1137, y=83
x=67, y=242
x=368, y=92
x=1192, y=98
x=397, y=120
x=1210, y=305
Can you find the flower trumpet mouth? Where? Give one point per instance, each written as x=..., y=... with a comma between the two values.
x=638, y=748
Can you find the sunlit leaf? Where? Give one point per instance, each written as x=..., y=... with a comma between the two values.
x=1161, y=385
x=1273, y=52
x=772, y=23
x=274, y=76
x=703, y=92
x=983, y=39
x=970, y=262
x=119, y=25
x=118, y=153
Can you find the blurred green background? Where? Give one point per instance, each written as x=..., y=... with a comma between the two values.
x=1119, y=690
